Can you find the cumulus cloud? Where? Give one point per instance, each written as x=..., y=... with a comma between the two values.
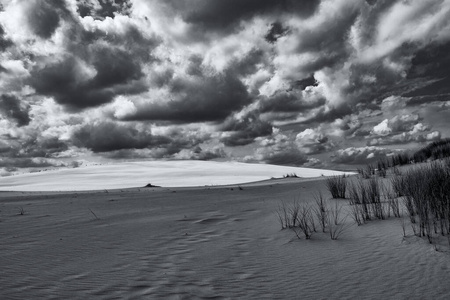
x=198, y=153
x=134, y=140
x=360, y=155
x=82, y=77
x=225, y=16
x=243, y=130
x=11, y=107
x=4, y=42
x=272, y=81
x=44, y=16
x=100, y=9
x=278, y=149
x=382, y=129
x=108, y=136
x=401, y=129
x=312, y=141
x=195, y=99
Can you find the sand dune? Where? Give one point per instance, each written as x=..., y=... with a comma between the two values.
x=203, y=243
x=161, y=173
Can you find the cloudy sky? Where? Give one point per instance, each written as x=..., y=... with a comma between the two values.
x=330, y=83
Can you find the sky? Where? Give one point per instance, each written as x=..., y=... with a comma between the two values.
x=325, y=84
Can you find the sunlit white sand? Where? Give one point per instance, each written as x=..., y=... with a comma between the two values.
x=161, y=173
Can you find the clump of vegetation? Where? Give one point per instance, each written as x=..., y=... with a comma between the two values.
x=149, y=185
x=372, y=199
x=426, y=191
x=336, y=222
x=433, y=151
x=422, y=191
x=21, y=211
x=321, y=210
x=367, y=172
x=337, y=186
x=291, y=175
x=400, y=159
x=302, y=218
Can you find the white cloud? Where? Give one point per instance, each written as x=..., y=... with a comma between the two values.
x=360, y=155
x=123, y=107
x=382, y=129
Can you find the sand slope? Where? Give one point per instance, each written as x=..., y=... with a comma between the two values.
x=162, y=173
x=202, y=243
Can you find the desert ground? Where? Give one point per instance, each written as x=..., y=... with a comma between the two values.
x=204, y=242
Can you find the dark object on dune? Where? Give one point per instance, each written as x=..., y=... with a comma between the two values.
x=151, y=185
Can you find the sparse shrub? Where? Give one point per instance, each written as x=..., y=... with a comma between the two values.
x=398, y=185
x=382, y=166
x=21, y=211
x=93, y=213
x=305, y=221
x=291, y=175
x=435, y=150
x=400, y=159
x=337, y=185
x=373, y=190
x=297, y=217
x=396, y=171
x=336, y=222
x=321, y=210
x=367, y=201
x=357, y=214
x=394, y=205
x=427, y=199
x=283, y=215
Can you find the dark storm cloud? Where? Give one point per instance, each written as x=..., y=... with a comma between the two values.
x=116, y=73
x=117, y=141
x=195, y=153
x=26, y=151
x=11, y=108
x=370, y=17
x=96, y=67
x=275, y=31
x=108, y=136
x=105, y=8
x=222, y=16
x=328, y=42
x=320, y=71
x=200, y=154
x=44, y=16
x=431, y=62
x=13, y=163
x=324, y=115
x=248, y=64
x=198, y=99
x=244, y=130
x=305, y=82
x=4, y=42
x=287, y=157
x=288, y=101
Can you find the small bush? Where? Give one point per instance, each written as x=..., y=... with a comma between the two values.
x=426, y=191
x=337, y=186
x=297, y=217
x=321, y=210
x=305, y=222
x=21, y=211
x=336, y=222
x=283, y=216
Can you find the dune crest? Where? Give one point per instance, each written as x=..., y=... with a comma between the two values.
x=159, y=173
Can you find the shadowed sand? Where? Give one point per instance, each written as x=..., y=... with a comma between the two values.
x=202, y=243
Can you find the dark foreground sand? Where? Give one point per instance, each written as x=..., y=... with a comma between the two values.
x=203, y=243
